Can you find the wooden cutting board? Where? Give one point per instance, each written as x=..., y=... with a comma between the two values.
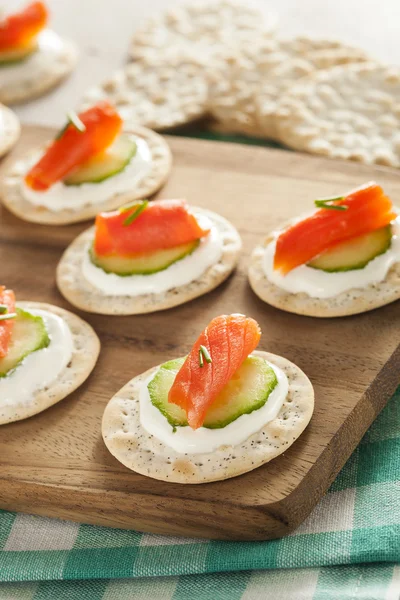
x=56, y=464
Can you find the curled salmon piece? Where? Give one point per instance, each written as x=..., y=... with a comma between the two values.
x=158, y=226
x=19, y=30
x=97, y=129
x=363, y=210
x=217, y=354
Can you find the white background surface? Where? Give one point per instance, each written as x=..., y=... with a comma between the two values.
x=102, y=29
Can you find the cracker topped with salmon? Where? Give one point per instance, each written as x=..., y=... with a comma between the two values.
x=148, y=256
x=92, y=164
x=46, y=352
x=341, y=260
x=33, y=58
x=221, y=411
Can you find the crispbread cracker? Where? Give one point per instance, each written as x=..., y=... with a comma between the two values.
x=350, y=112
x=86, y=348
x=13, y=199
x=79, y=292
x=352, y=302
x=9, y=129
x=245, y=90
x=134, y=447
x=200, y=31
x=47, y=68
x=159, y=95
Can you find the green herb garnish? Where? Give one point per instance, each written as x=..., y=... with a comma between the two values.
x=7, y=316
x=204, y=355
x=127, y=207
x=327, y=203
x=133, y=216
x=74, y=120
x=3, y=309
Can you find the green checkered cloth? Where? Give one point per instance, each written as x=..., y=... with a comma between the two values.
x=349, y=547
x=357, y=522
x=380, y=581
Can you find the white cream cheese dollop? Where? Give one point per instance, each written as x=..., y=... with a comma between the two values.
x=202, y=440
x=50, y=47
x=320, y=284
x=60, y=197
x=180, y=273
x=39, y=369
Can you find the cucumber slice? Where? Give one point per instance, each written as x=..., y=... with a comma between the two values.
x=10, y=58
x=248, y=390
x=29, y=334
x=142, y=264
x=109, y=163
x=354, y=254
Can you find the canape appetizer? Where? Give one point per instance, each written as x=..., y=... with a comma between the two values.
x=147, y=256
x=221, y=411
x=341, y=260
x=45, y=354
x=91, y=165
x=33, y=59
x=9, y=129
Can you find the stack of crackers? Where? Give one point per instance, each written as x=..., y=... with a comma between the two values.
x=222, y=59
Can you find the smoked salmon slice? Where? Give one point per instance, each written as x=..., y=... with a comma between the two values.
x=101, y=124
x=162, y=224
x=367, y=209
x=7, y=304
x=19, y=29
x=228, y=340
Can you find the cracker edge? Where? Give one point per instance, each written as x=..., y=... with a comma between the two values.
x=18, y=94
x=254, y=121
x=359, y=299
x=229, y=260
x=113, y=418
x=13, y=200
x=288, y=119
x=12, y=129
x=60, y=389
x=141, y=50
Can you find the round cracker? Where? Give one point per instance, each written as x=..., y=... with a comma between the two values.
x=159, y=95
x=82, y=294
x=44, y=74
x=351, y=302
x=200, y=31
x=246, y=89
x=86, y=348
x=350, y=112
x=135, y=448
x=13, y=199
x=9, y=129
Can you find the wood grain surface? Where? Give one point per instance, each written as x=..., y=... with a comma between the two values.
x=56, y=464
